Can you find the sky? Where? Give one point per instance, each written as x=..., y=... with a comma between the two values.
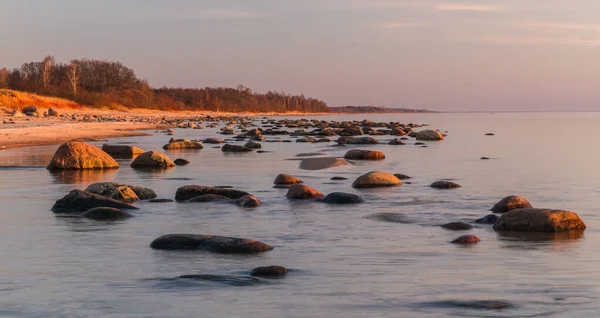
x=445, y=55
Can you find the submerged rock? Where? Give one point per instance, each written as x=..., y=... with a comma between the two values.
x=466, y=239
x=376, y=179
x=286, y=179
x=539, y=220
x=77, y=155
x=445, y=185
x=105, y=214
x=191, y=191
x=152, y=159
x=488, y=219
x=457, y=226
x=181, y=162
x=209, y=198
x=342, y=198
x=402, y=176
x=210, y=243
x=338, y=178
x=81, y=201
x=303, y=192
x=321, y=163
x=122, y=151
x=273, y=271
x=358, y=154
x=510, y=203
x=235, y=148
x=183, y=144
x=161, y=200
x=248, y=201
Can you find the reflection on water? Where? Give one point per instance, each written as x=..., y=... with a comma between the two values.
x=386, y=257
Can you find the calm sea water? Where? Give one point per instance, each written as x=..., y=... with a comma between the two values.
x=343, y=263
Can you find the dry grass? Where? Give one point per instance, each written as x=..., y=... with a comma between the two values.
x=18, y=100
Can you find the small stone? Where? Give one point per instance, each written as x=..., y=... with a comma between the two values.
x=269, y=271
x=457, y=226
x=181, y=162
x=445, y=185
x=466, y=239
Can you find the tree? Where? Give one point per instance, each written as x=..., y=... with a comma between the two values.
x=46, y=71
x=73, y=76
x=4, y=78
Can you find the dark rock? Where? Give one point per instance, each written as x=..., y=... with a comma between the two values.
x=108, y=188
x=161, y=200
x=457, y=226
x=181, y=162
x=253, y=145
x=510, y=203
x=363, y=141
x=358, y=154
x=444, y=185
x=191, y=191
x=539, y=220
x=269, y=271
x=402, y=176
x=342, y=198
x=210, y=243
x=209, y=198
x=338, y=178
x=248, y=201
x=466, y=239
x=122, y=151
x=396, y=142
x=105, y=214
x=490, y=134
x=81, y=201
x=29, y=109
x=485, y=158
x=235, y=148
x=488, y=219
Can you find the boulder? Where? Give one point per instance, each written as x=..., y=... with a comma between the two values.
x=457, y=226
x=152, y=159
x=108, y=188
x=488, y=219
x=303, y=192
x=376, y=179
x=444, y=185
x=321, y=163
x=429, y=135
x=269, y=271
x=235, y=148
x=122, y=151
x=181, y=162
x=466, y=239
x=363, y=141
x=358, y=154
x=396, y=142
x=183, y=144
x=402, y=176
x=213, y=141
x=253, y=145
x=248, y=201
x=286, y=179
x=81, y=201
x=75, y=155
x=338, y=178
x=342, y=198
x=29, y=109
x=191, y=191
x=510, y=203
x=125, y=194
x=53, y=112
x=210, y=243
x=539, y=220
x=105, y=214
x=209, y=198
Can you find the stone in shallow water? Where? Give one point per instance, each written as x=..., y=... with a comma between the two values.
x=105, y=214
x=342, y=198
x=191, y=191
x=539, y=220
x=473, y=304
x=390, y=217
x=303, y=192
x=77, y=155
x=358, y=154
x=488, y=219
x=376, y=179
x=181, y=162
x=457, y=226
x=445, y=185
x=210, y=243
x=511, y=202
x=321, y=163
x=286, y=179
x=273, y=271
x=81, y=201
x=338, y=178
x=466, y=239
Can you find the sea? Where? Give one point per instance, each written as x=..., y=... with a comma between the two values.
x=344, y=261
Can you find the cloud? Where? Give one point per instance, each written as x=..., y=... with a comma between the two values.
x=222, y=14
x=433, y=6
x=563, y=26
x=467, y=7
x=401, y=25
x=529, y=40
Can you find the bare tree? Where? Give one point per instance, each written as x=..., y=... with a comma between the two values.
x=46, y=71
x=73, y=76
x=4, y=78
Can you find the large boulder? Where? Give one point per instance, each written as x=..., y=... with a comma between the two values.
x=303, y=192
x=362, y=141
x=429, y=135
x=105, y=214
x=286, y=179
x=210, y=243
x=81, y=201
x=183, y=144
x=108, y=188
x=235, y=148
x=122, y=151
x=510, y=203
x=539, y=220
x=321, y=163
x=342, y=198
x=248, y=201
x=376, y=179
x=152, y=159
x=75, y=155
x=358, y=154
x=191, y=191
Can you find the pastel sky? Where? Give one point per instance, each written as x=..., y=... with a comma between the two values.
x=465, y=55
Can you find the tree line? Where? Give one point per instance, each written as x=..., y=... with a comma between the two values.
x=100, y=83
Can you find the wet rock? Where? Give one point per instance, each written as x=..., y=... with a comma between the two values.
x=235, y=148
x=402, y=176
x=510, y=203
x=213, y=141
x=488, y=219
x=183, y=144
x=108, y=188
x=161, y=200
x=303, y=192
x=419, y=143
x=125, y=194
x=191, y=191
x=253, y=145
x=210, y=243
x=122, y=151
x=286, y=179
x=321, y=163
x=248, y=201
x=77, y=155
x=181, y=162
x=390, y=217
x=539, y=220
x=396, y=142
x=152, y=159
x=81, y=201
x=338, y=178
x=472, y=304
x=490, y=134
x=358, y=154
x=466, y=239
x=209, y=198
x=444, y=185
x=485, y=158
x=363, y=141
x=429, y=135
x=342, y=198
x=105, y=214
x=376, y=179
x=273, y=271
x=457, y=226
